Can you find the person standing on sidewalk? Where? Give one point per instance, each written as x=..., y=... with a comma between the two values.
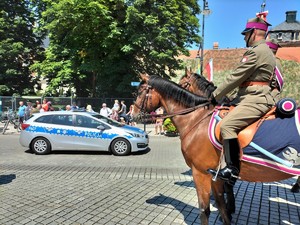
x=21, y=111
x=159, y=121
x=123, y=111
x=105, y=111
x=28, y=110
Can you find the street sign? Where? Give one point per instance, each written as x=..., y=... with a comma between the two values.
x=135, y=84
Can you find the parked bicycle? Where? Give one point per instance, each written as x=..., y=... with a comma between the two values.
x=10, y=117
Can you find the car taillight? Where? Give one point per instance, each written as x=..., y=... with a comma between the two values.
x=24, y=126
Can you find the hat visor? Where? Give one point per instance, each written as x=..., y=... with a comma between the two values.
x=246, y=30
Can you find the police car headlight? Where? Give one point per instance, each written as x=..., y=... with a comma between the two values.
x=135, y=135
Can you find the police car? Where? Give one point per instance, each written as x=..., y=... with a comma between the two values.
x=70, y=130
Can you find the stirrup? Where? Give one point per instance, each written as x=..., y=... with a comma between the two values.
x=216, y=174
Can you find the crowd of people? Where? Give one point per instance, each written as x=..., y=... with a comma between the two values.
x=118, y=111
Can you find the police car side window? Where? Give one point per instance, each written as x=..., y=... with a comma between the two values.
x=95, y=123
x=62, y=120
x=44, y=119
x=80, y=121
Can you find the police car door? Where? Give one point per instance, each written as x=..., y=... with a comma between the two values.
x=60, y=131
x=88, y=136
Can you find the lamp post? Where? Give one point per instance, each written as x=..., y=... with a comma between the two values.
x=205, y=11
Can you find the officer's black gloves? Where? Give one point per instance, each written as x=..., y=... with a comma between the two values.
x=213, y=100
x=225, y=101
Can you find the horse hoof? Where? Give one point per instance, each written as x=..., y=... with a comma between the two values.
x=230, y=211
x=295, y=188
x=229, y=217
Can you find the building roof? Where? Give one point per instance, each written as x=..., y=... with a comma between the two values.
x=285, y=26
x=289, y=53
x=290, y=23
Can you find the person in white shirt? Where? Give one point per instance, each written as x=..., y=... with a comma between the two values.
x=105, y=111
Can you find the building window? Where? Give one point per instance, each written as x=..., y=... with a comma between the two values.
x=297, y=36
x=279, y=36
x=292, y=36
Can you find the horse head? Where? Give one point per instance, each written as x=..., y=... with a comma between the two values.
x=185, y=79
x=156, y=91
x=147, y=100
x=197, y=84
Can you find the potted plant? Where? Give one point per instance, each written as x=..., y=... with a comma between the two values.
x=170, y=129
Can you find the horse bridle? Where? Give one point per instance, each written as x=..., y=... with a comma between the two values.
x=188, y=83
x=148, y=95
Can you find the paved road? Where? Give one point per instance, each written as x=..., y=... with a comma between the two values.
x=153, y=187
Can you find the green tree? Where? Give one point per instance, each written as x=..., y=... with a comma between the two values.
x=99, y=46
x=20, y=45
x=160, y=31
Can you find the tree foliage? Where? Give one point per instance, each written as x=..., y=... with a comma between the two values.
x=20, y=45
x=99, y=46
x=160, y=31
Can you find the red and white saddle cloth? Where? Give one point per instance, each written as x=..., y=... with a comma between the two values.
x=276, y=143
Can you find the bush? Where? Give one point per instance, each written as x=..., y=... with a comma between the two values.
x=169, y=126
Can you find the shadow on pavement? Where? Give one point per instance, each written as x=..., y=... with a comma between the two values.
x=182, y=207
x=188, y=172
x=189, y=184
x=80, y=152
x=6, y=179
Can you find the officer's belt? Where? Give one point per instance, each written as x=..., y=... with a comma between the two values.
x=251, y=83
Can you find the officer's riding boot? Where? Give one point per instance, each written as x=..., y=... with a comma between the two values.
x=229, y=173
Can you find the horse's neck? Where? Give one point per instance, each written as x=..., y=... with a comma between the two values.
x=182, y=120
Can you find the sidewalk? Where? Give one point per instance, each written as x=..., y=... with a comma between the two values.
x=150, y=129
x=10, y=129
x=150, y=188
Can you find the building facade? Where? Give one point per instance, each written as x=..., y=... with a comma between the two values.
x=288, y=32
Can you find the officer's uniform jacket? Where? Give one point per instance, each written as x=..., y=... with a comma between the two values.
x=258, y=64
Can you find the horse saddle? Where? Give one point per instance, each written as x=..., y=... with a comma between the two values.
x=246, y=135
x=272, y=141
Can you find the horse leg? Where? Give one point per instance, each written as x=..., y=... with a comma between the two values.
x=203, y=188
x=218, y=192
x=296, y=187
x=230, y=203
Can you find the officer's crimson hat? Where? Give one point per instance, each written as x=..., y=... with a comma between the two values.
x=273, y=44
x=256, y=23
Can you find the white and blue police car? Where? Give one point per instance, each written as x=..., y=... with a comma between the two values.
x=71, y=130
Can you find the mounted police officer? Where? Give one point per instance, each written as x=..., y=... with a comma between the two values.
x=252, y=78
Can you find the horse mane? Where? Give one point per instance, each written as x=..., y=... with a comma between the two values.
x=203, y=84
x=173, y=90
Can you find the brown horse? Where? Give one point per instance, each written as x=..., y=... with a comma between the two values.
x=191, y=115
x=199, y=85
x=196, y=83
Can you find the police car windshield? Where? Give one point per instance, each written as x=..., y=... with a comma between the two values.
x=108, y=120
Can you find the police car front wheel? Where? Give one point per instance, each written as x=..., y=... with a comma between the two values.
x=120, y=147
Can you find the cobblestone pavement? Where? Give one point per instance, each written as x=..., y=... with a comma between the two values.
x=153, y=187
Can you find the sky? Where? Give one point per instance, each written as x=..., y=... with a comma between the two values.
x=229, y=17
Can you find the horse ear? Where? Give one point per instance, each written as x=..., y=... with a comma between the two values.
x=144, y=76
x=188, y=72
